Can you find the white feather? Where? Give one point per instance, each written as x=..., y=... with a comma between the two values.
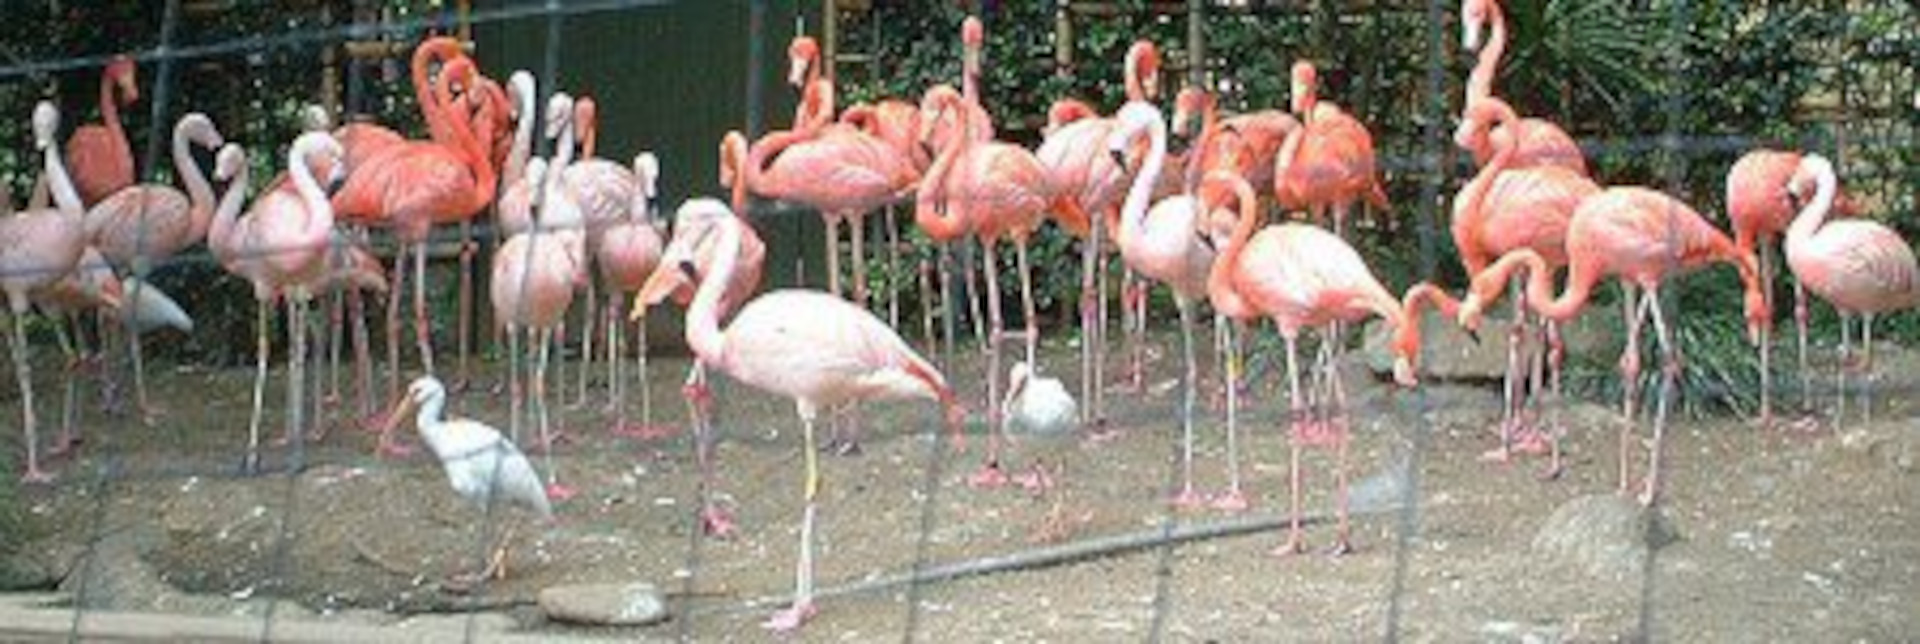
x=479, y=461
x=1038, y=404
x=148, y=308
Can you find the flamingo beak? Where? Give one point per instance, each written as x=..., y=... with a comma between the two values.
x=664, y=282
x=797, y=72
x=1120, y=159
x=1403, y=373
x=1470, y=35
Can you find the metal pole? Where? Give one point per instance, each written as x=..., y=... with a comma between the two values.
x=756, y=49
x=1196, y=43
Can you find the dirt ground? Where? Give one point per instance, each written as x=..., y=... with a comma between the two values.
x=1786, y=535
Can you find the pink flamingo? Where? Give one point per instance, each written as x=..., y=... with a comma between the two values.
x=1639, y=236
x=38, y=247
x=1537, y=141
x=91, y=286
x=1162, y=246
x=1503, y=209
x=1302, y=276
x=410, y=187
x=1761, y=208
x=816, y=348
x=1859, y=266
x=1246, y=143
x=995, y=191
x=1328, y=162
x=514, y=211
x=605, y=191
x=1074, y=155
x=101, y=157
x=143, y=225
x=628, y=253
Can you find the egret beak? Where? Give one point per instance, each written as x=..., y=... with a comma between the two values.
x=1474, y=335
x=112, y=295
x=402, y=409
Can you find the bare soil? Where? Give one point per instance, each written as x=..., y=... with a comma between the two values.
x=1786, y=534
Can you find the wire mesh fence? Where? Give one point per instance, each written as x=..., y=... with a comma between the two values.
x=168, y=525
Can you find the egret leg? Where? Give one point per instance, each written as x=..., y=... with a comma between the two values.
x=422, y=328
x=23, y=373
x=1669, y=375
x=802, y=609
x=1296, y=417
x=990, y=474
x=1189, y=395
x=263, y=307
x=1234, y=500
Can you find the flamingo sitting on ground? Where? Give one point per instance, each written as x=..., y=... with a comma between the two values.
x=1761, y=208
x=1537, y=141
x=481, y=465
x=141, y=226
x=1503, y=209
x=1637, y=235
x=1328, y=162
x=628, y=253
x=816, y=348
x=38, y=247
x=101, y=156
x=997, y=191
x=1859, y=266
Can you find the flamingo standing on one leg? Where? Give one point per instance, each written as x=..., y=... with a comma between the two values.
x=1639, y=236
x=605, y=191
x=1537, y=142
x=816, y=348
x=141, y=226
x=1328, y=161
x=1503, y=209
x=1859, y=266
x=1760, y=206
x=628, y=253
x=997, y=191
x=38, y=247
x=1162, y=245
x=101, y=156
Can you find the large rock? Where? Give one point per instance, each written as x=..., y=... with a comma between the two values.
x=1606, y=535
x=628, y=604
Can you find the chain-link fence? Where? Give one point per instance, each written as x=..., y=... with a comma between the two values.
x=250, y=478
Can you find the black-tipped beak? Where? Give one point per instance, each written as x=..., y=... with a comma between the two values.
x=1474, y=335
x=692, y=272
x=1120, y=159
x=928, y=148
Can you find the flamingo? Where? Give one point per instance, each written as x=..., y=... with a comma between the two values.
x=357, y=142
x=481, y=465
x=143, y=225
x=514, y=211
x=534, y=275
x=816, y=348
x=101, y=156
x=995, y=191
x=897, y=123
x=1537, y=141
x=1328, y=161
x=605, y=191
x=91, y=285
x=1639, y=236
x=1246, y=143
x=1162, y=245
x=1073, y=155
x=38, y=247
x=1859, y=266
x=1760, y=207
x=1503, y=209
x=973, y=39
x=628, y=253
x=409, y=187
x=1303, y=276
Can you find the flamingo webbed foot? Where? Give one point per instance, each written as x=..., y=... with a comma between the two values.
x=1296, y=545
x=716, y=522
x=1231, y=501
x=36, y=476
x=559, y=492
x=989, y=476
x=1188, y=499
x=791, y=618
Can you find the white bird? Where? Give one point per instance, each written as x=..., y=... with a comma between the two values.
x=479, y=461
x=1040, y=417
x=151, y=309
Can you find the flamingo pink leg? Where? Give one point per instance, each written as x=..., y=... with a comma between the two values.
x=1296, y=414
x=1233, y=500
x=23, y=373
x=803, y=608
x=990, y=474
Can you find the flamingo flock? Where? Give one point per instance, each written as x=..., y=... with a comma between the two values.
x=574, y=226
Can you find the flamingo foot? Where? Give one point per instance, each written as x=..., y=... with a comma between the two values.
x=35, y=476
x=1341, y=548
x=392, y=448
x=1531, y=441
x=559, y=492
x=68, y=444
x=791, y=619
x=842, y=447
x=1188, y=499
x=1232, y=502
x=716, y=522
x=1035, y=481
x=644, y=432
x=1296, y=545
x=1314, y=433
x=1101, y=431
x=1499, y=455
x=989, y=476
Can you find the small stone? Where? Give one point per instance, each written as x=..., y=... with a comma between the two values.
x=1604, y=534
x=616, y=604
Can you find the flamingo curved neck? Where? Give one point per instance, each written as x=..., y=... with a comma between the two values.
x=1133, y=78
x=1407, y=338
x=1133, y=212
x=110, y=114
x=522, y=149
x=1220, y=288
x=703, y=314
x=431, y=109
x=1814, y=215
x=1473, y=200
x=1581, y=276
x=933, y=210
x=1480, y=80
x=319, y=221
x=65, y=198
x=199, y=193
x=733, y=155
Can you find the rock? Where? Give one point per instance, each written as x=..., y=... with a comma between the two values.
x=1606, y=535
x=628, y=604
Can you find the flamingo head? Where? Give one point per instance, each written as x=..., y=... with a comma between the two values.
x=1143, y=63
x=940, y=102
x=1808, y=176
x=46, y=124
x=802, y=57
x=586, y=116
x=227, y=164
x=199, y=129
x=973, y=33
x=1474, y=15
x=1474, y=305
x=682, y=260
x=646, y=175
x=1187, y=105
x=314, y=118
x=1065, y=111
x=125, y=76
x=1135, y=118
x=733, y=153
x=559, y=114
x=1305, y=82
